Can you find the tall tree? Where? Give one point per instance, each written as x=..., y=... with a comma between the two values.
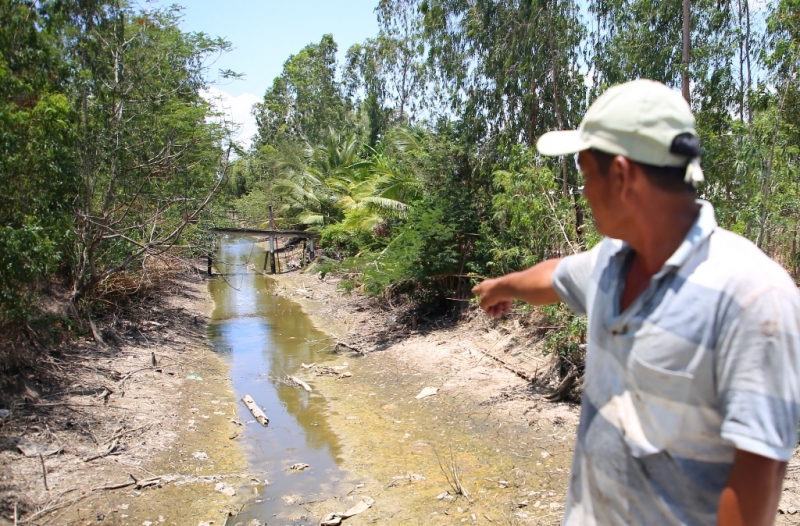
x=37, y=140
x=305, y=100
x=149, y=158
x=510, y=67
x=404, y=50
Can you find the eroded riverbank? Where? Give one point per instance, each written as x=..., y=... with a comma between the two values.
x=111, y=416
x=511, y=447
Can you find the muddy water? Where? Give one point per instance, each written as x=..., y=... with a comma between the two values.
x=265, y=338
x=371, y=437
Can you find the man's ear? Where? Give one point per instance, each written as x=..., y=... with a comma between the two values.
x=622, y=176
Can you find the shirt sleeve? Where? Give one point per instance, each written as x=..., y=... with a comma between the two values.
x=572, y=277
x=758, y=380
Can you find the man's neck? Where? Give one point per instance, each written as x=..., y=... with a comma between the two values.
x=660, y=230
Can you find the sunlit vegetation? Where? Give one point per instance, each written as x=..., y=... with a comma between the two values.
x=413, y=157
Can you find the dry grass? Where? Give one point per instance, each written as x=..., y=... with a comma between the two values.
x=452, y=472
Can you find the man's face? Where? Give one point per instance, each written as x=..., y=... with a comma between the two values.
x=599, y=191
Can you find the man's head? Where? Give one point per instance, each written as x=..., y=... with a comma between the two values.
x=637, y=147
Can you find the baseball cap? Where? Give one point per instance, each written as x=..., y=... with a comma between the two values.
x=638, y=120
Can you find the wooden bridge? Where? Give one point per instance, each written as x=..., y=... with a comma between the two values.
x=272, y=234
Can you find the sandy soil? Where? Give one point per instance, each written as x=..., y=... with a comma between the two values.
x=481, y=369
x=512, y=446
x=122, y=441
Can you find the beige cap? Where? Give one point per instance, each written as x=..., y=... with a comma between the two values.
x=638, y=120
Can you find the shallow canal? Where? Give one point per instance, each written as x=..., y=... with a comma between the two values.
x=265, y=338
x=396, y=448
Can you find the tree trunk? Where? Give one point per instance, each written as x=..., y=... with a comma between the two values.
x=686, y=50
x=747, y=57
x=556, y=104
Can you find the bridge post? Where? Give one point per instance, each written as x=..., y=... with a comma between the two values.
x=209, y=264
x=311, y=248
x=271, y=255
x=271, y=241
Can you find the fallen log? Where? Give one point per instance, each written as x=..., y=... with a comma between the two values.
x=563, y=388
x=348, y=346
x=258, y=414
x=301, y=383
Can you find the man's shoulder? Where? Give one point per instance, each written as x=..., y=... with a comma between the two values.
x=736, y=265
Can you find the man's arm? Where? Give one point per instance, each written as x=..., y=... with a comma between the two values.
x=533, y=285
x=751, y=495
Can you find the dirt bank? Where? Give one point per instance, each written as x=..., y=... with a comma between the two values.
x=124, y=441
x=511, y=444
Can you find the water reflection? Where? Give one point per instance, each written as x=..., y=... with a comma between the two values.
x=266, y=337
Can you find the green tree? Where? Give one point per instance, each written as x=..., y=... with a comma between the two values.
x=305, y=100
x=149, y=159
x=37, y=139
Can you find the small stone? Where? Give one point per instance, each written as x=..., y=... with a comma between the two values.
x=225, y=489
x=291, y=499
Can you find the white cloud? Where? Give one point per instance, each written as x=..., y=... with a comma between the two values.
x=235, y=110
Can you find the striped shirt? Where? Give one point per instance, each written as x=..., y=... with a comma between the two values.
x=705, y=361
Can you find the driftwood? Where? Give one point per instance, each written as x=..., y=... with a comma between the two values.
x=258, y=414
x=125, y=378
x=301, y=383
x=137, y=483
x=348, y=346
x=96, y=334
x=563, y=388
x=112, y=450
x=44, y=473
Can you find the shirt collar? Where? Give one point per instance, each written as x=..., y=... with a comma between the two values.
x=703, y=226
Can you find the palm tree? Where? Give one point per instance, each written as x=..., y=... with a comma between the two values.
x=337, y=184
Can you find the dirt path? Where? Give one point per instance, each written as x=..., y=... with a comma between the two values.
x=116, y=417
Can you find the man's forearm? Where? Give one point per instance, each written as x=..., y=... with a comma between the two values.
x=533, y=285
x=750, y=497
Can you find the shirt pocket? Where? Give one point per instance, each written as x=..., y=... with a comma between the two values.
x=674, y=386
x=658, y=397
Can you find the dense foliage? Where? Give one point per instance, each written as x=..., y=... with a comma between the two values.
x=108, y=153
x=451, y=96
x=413, y=156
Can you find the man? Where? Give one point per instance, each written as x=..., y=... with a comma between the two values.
x=690, y=403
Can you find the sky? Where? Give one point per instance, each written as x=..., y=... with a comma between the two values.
x=263, y=34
